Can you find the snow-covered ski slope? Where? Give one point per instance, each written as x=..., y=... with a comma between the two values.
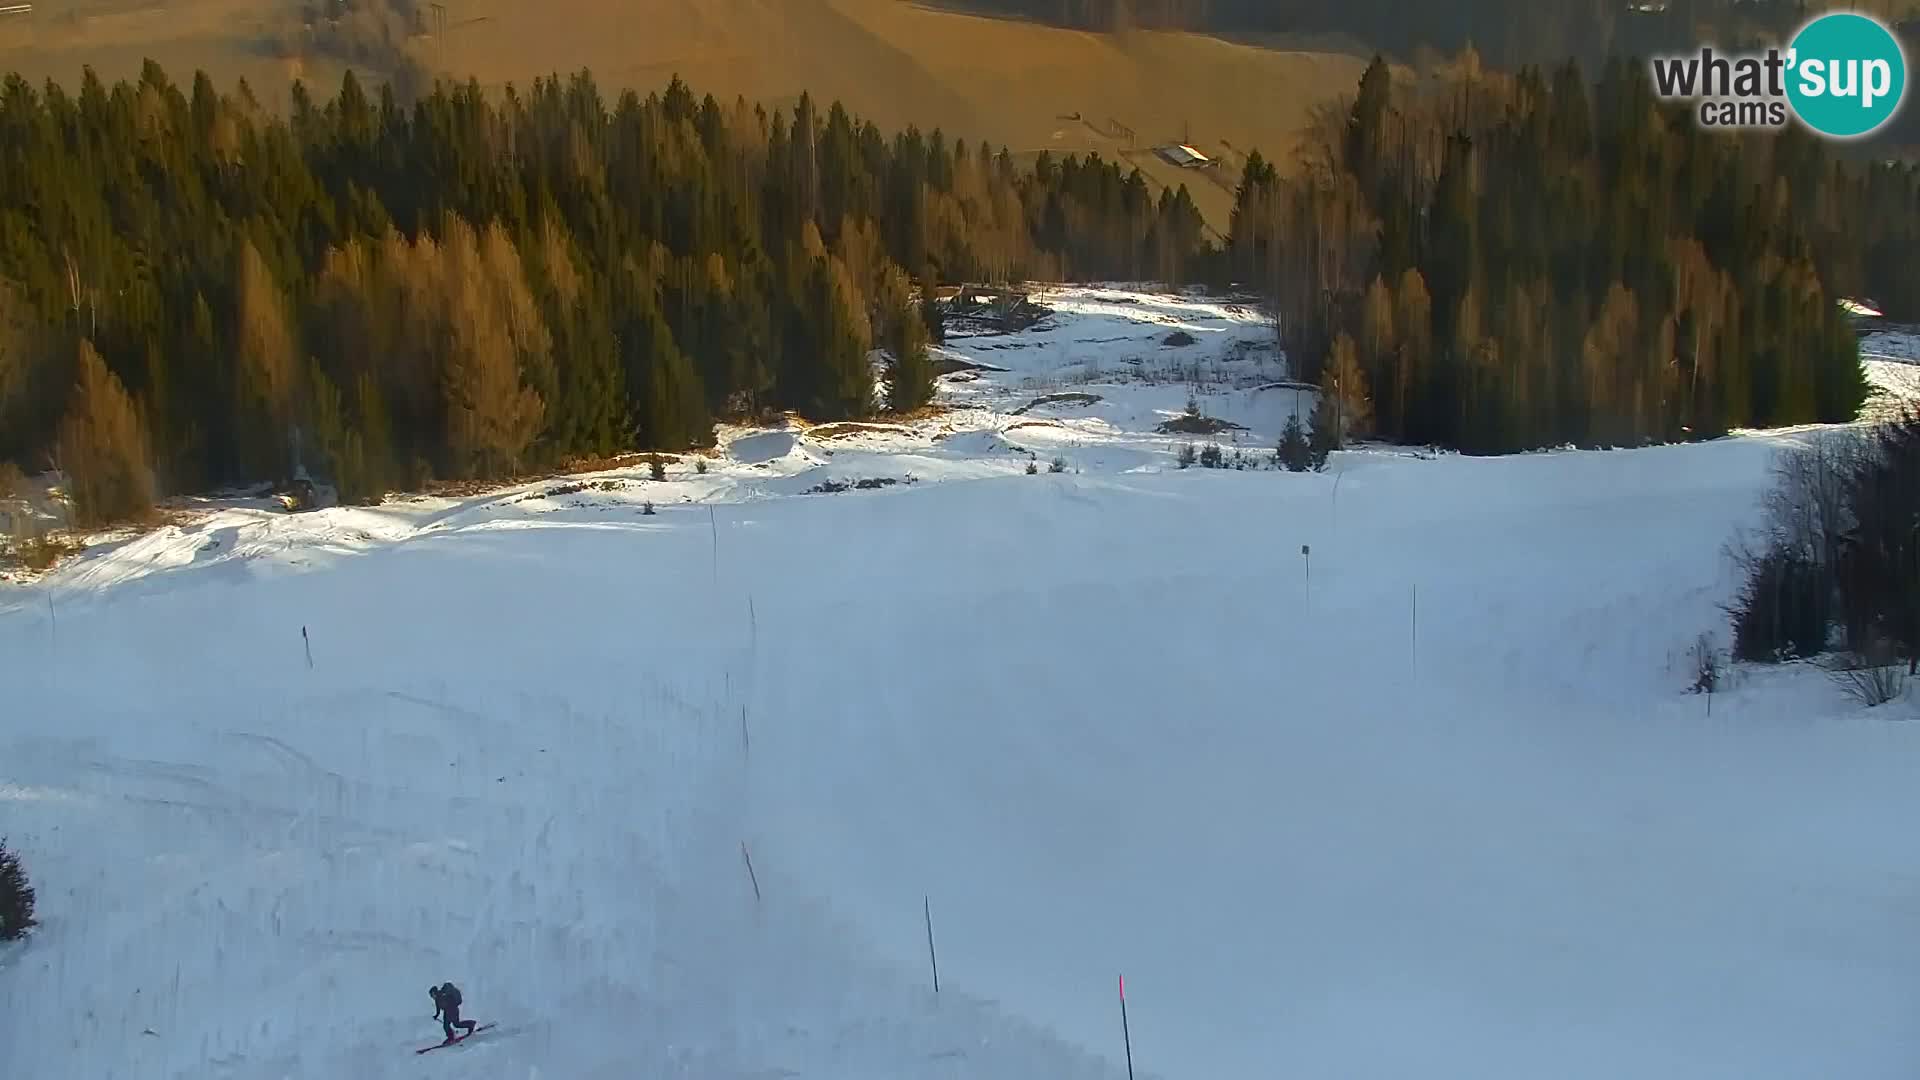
x=1437, y=808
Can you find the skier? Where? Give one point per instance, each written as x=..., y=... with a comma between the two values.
x=446, y=1009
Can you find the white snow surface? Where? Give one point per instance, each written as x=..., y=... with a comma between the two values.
x=1430, y=801
x=1899, y=343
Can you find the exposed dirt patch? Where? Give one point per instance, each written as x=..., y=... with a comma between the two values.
x=1072, y=398
x=834, y=487
x=853, y=427
x=1178, y=339
x=617, y=461
x=39, y=554
x=1190, y=424
x=562, y=490
x=948, y=364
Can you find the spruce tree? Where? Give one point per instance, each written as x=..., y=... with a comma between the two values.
x=16, y=896
x=931, y=313
x=1365, y=125
x=1294, y=453
x=909, y=367
x=1324, y=438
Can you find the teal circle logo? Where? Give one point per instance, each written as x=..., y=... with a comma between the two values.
x=1847, y=75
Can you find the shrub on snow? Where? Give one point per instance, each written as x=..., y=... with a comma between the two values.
x=16, y=896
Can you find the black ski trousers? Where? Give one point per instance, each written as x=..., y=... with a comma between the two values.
x=450, y=1019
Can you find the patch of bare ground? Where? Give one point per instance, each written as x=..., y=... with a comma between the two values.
x=39, y=554
x=949, y=364
x=631, y=460
x=834, y=487
x=567, y=471
x=1193, y=424
x=844, y=428
x=577, y=487
x=1018, y=424
x=1070, y=398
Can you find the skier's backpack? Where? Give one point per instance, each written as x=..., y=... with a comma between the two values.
x=451, y=995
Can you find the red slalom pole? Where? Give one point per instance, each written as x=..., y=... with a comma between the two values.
x=1124, y=1032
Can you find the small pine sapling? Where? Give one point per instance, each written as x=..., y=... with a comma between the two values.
x=1293, y=454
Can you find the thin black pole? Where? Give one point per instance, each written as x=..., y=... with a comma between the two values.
x=308, y=642
x=926, y=907
x=1125, y=1032
x=755, y=878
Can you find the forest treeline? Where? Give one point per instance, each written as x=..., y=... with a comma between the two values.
x=197, y=293
x=1500, y=262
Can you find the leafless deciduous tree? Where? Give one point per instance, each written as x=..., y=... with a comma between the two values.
x=1873, y=677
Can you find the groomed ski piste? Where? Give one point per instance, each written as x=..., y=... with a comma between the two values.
x=1429, y=799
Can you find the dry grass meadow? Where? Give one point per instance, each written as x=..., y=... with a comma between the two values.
x=1021, y=85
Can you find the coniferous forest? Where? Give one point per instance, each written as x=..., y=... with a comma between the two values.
x=1501, y=262
x=197, y=291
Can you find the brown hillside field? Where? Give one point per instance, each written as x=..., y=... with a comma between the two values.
x=898, y=62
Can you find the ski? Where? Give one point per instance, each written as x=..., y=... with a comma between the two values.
x=455, y=1040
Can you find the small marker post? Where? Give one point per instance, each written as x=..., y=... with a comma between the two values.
x=751, y=876
x=1125, y=1033
x=927, y=907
